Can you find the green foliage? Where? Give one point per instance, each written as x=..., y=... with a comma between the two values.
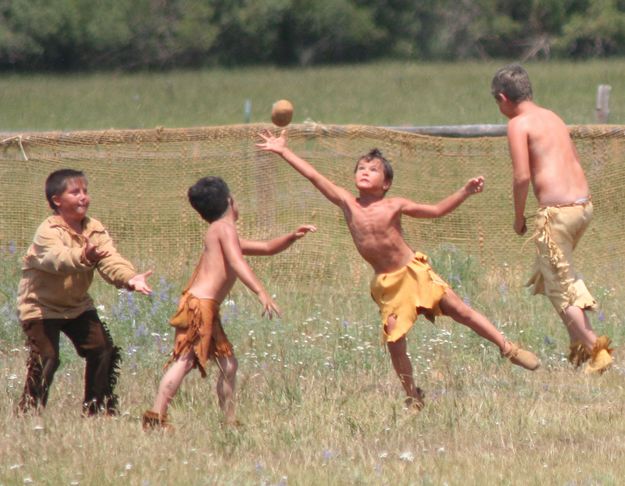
x=457, y=268
x=129, y=34
x=251, y=32
x=325, y=26
x=597, y=31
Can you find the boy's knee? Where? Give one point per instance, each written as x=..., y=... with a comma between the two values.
x=41, y=369
x=46, y=358
x=467, y=314
x=234, y=365
x=229, y=366
x=103, y=352
x=389, y=325
x=98, y=341
x=49, y=365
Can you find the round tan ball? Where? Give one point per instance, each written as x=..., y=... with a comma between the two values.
x=282, y=113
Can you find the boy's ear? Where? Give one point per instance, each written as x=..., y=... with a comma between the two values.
x=55, y=200
x=500, y=97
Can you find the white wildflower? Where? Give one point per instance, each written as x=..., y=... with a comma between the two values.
x=407, y=456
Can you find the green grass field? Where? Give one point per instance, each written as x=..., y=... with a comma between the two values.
x=318, y=398
x=373, y=94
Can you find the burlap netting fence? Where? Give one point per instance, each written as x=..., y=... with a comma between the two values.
x=138, y=181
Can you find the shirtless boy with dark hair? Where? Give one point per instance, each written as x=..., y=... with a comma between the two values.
x=199, y=333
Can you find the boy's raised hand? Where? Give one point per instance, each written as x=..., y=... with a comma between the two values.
x=138, y=283
x=93, y=254
x=303, y=230
x=475, y=185
x=272, y=143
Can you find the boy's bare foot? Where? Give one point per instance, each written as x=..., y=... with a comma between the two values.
x=520, y=357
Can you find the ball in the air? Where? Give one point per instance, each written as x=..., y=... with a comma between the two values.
x=282, y=113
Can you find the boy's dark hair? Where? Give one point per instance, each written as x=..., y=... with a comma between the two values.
x=209, y=196
x=56, y=183
x=386, y=165
x=514, y=82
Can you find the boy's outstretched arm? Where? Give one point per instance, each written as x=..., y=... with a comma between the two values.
x=278, y=146
x=444, y=206
x=234, y=257
x=275, y=245
x=139, y=283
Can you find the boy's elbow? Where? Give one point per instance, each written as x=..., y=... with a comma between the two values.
x=521, y=180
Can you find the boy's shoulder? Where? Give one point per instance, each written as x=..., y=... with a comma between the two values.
x=94, y=224
x=56, y=221
x=534, y=116
x=523, y=119
x=221, y=227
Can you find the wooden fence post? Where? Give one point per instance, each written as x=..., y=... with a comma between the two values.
x=602, y=112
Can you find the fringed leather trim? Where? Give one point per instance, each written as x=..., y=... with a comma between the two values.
x=111, y=399
x=153, y=420
x=578, y=354
x=602, y=343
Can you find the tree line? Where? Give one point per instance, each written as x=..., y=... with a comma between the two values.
x=140, y=34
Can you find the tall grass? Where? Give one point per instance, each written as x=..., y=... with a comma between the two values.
x=385, y=93
x=320, y=402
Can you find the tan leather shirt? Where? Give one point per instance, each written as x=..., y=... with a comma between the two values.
x=56, y=276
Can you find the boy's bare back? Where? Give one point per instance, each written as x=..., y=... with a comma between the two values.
x=215, y=274
x=541, y=144
x=222, y=261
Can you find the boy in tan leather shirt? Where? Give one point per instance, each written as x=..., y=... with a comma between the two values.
x=53, y=295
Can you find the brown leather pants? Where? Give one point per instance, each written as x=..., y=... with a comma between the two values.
x=91, y=340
